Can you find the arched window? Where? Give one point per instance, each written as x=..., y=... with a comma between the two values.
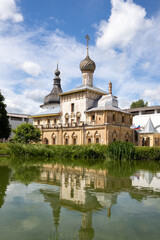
x=74, y=141
x=66, y=141
x=127, y=137
x=89, y=137
x=78, y=117
x=114, y=136
x=97, y=140
x=97, y=137
x=54, y=141
x=66, y=138
x=66, y=118
x=143, y=142
x=74, y=138
x=46, y=141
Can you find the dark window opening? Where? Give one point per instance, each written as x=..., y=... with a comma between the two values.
x=78, y=119
x=93, y=117
x=122, y=119
x=74, y=141
x=55, y=121
x=89, y=140
x=66, y=141
x=54, y=141
x=46, y=141
x=97, y=140
x=113, y=117
x=72, y=107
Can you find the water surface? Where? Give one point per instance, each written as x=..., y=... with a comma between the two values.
x=53, y=201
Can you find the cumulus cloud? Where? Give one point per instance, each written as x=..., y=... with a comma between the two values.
x=134, y=68
x=31, y=68
x=125, y=21
x=9, y=11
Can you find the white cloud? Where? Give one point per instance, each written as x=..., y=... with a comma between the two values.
x=9, y=11
x=36, y=95
x=31, y=68
x=152, y=94
x=125, y=21
x=132, y=69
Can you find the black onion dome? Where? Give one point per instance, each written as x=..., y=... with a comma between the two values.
x=54, y=97
x=87, y=65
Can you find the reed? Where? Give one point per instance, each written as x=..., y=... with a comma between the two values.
x=121, y=151
x=90, y=154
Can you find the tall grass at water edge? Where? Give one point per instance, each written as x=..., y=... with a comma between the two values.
x=91, y=153
x=95, y=153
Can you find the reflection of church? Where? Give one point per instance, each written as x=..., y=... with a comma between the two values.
x=81, y=190
x=82, y=115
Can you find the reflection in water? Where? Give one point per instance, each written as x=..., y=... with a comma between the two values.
x=87, y=192
x=4, y=181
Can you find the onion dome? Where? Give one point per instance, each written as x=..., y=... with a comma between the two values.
x=87, y=65
x=54, y=97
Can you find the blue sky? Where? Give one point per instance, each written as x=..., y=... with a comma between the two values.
x=125, y=45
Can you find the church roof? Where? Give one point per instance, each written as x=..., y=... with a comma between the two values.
x=105, y=108
x=53, y=97
x=149, y=128
x=84, y=88
x=48, y=112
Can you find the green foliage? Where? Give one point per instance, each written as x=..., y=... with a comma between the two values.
x=86, y=153
x=3, y=149
x=26, y=133
x=147, y=153
x=121, y=151
x=5, y=128
x=139, y=103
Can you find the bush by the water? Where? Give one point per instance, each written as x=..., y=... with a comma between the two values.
x=147, y=153
x=121, y=151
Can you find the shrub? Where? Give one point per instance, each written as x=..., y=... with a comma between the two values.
x=147, y=153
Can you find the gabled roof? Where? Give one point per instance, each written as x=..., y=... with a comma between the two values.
x=149, y=128
x=83, y=88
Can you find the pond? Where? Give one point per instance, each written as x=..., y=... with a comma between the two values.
x=54, y=201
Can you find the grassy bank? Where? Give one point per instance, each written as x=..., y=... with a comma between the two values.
x=3, y=149
x=89, y=153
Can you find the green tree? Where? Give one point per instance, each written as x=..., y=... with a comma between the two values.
x=139, y=103
x=5, y=128
x=26, y=133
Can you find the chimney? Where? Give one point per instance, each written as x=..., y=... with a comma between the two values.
x=110, y=88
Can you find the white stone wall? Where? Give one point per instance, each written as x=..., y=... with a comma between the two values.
x=87, y=79
x=79, y=106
